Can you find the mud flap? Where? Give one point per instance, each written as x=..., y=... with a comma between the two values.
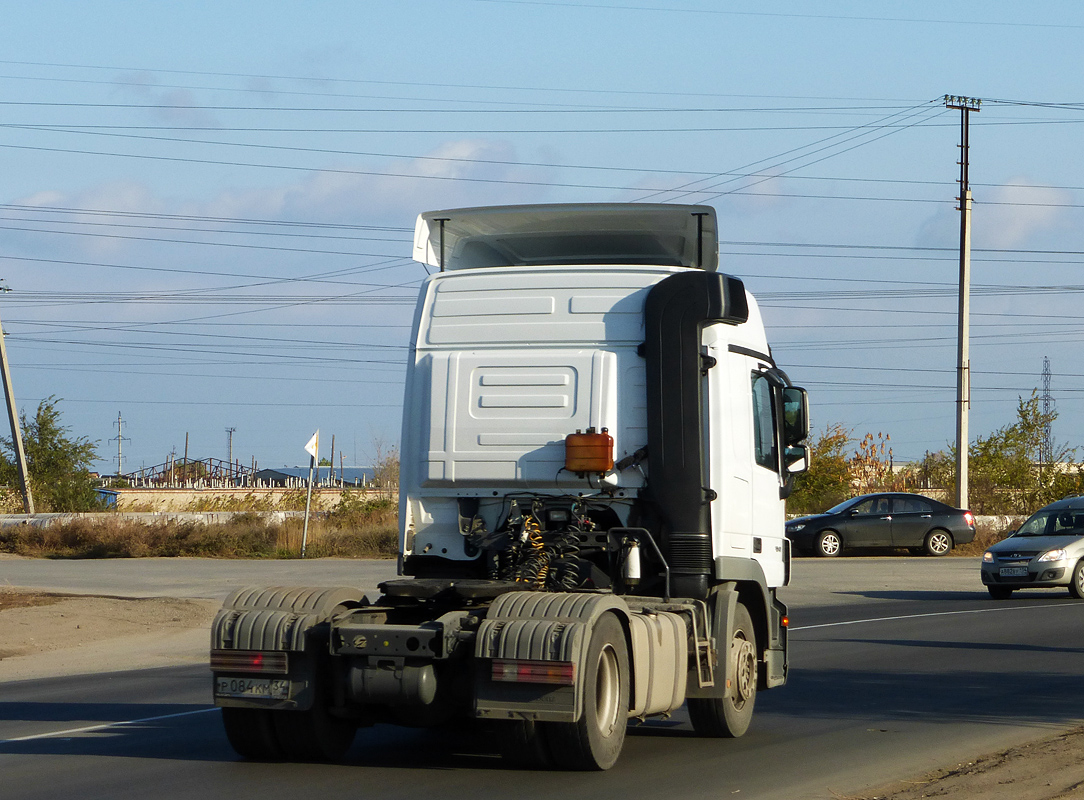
x=537, y=627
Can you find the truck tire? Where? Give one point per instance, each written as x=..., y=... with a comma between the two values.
x=251, y=732
x=313, y=735
x=729, y=717
x=523, y=744
x=594, y=741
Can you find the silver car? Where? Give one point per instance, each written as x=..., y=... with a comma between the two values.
x=1047, y=551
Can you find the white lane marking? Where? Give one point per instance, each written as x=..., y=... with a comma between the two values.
x=106, y=725
x=931, y=614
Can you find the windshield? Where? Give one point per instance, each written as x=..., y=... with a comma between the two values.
x=840, y=507
x=1054, y=523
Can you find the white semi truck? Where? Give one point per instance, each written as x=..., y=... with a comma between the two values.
x=596, y=449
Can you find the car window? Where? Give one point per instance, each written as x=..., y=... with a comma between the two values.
x=910, y=505
x=1054, y=523
x=875, y=505
x=1067, y=522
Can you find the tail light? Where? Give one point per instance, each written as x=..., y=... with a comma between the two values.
x=562, y=673
x=252, y=661
x=969, y=518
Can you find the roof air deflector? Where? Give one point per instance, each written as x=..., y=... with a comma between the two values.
x=569, y=234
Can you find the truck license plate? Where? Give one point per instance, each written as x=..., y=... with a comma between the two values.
x=270, y=688
x=1014, y=572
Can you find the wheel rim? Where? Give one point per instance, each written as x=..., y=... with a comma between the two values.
x=829, y=544
x=607, y=690
x=1080, y=581
x=939, y=543
x=745, y=669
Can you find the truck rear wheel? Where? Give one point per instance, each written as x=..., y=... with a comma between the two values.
x=314, y=735
x=594, y=741
x=729, y=716
x=523, y=744
x=251, y=732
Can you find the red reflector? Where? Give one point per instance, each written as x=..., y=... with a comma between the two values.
x=275, y=662
x=562, y=673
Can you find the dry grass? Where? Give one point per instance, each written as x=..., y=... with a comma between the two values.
x=988, y=531
x=369, y=531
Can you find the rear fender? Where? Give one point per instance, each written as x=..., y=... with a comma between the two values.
x=294, y=620
x=538, y=626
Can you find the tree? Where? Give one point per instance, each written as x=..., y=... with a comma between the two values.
x=1006, y=471
x=58, y=464
x=828, y=480
x=386, y=467
x=872, y=469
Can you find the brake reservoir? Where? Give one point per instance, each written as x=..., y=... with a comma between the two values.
x=592, y=451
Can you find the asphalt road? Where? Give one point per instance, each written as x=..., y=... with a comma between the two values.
x=899, y=665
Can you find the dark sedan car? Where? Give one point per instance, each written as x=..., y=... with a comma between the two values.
x=891, y=519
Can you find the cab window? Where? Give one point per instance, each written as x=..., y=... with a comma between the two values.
x=763, y=423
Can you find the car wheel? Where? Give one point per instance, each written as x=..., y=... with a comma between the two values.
x=1000, y=592
x=829, y=544
x=1076, y=586
x=937, y=543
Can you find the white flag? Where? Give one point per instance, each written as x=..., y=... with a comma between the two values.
x=313, y=447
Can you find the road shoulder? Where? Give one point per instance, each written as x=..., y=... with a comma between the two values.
x=1051, y=768
x=47, y=635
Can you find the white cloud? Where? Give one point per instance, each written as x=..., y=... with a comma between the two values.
x=171, y=105
x=1016, y=212
x=391, y=192
x=1012, y=215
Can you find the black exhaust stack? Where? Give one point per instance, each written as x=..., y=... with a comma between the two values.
x=676, y=312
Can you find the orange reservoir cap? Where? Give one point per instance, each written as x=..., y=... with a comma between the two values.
x=592, y=451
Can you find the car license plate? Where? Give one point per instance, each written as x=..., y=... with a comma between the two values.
x=1013, y=572
x=270, y=688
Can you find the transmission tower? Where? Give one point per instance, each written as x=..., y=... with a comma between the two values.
x=120, y=439
x=229, y=434
x=1047, y=453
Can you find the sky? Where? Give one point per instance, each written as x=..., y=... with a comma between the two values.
x=206, y=209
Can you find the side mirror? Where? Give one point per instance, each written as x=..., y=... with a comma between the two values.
x=796, y=458
x=795, y=416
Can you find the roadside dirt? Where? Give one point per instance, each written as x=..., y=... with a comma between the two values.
x=1047, y=769
x=45, y=635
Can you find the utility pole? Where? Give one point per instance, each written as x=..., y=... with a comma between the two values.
x=16, y=429
x=120, y=438
x=963, y=357
x=1047, y=454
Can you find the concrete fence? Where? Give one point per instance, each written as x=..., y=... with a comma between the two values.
x=149, y=517
x=996, y=523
